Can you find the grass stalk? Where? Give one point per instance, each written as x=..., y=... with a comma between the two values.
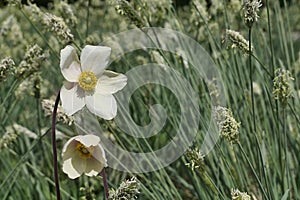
x=251, y=81
x=270, y=38
x=287, y=168
x=87, y=19
x=253, y=171
x=13, y=86
x=38, y=109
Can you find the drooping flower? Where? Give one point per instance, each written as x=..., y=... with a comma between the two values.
x=83, y=154
x=88, y=83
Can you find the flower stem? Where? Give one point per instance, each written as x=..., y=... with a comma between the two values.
x=56, y=180
x=105, y=183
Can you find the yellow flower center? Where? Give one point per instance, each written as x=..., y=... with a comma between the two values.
x=84, y=152
x=87, y=80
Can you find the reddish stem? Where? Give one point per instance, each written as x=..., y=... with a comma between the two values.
x=55, y=166
x=105, y=182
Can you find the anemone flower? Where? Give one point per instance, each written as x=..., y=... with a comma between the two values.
x=83, y=154
x=88, y=83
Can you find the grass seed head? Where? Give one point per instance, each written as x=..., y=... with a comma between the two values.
x=250, y=10
x=127, y=190
x=228, y=126
x=282, y=89
x=7, y=66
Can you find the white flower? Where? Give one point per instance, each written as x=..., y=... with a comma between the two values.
x=88, y=83
x=83, y=154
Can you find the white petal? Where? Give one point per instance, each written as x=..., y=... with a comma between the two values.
x=69, y=64
x=104, y=106
x=79, y=164
x=110, y=73
x=72, y=98
x=93, y=167
x=95, y=58
x=92, y=172
x=68, y=143
x=88, y=140
x=111, y=82
x=69, y=169
x=69, y=149
x=99, y=155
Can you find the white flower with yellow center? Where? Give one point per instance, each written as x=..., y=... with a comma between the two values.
x=83, y=154
x=88, y=83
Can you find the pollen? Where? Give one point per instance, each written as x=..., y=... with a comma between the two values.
x=87, y=81
x=84, y=152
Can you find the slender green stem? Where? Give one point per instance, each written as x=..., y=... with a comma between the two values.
x=78, y=36
x=278, y=135
x=55, y=166
x=263, y=66
x=37, y=95
x=87, y=19
x=12, y=183
x=270, y=38
x=286, y=171
x=77, y=46
x=215, y=186
x=253, y=171
x=7, y=116
x=12, y=88
x=263, y=165
x=251, y=82
x=294, y=113
x=38, y=109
